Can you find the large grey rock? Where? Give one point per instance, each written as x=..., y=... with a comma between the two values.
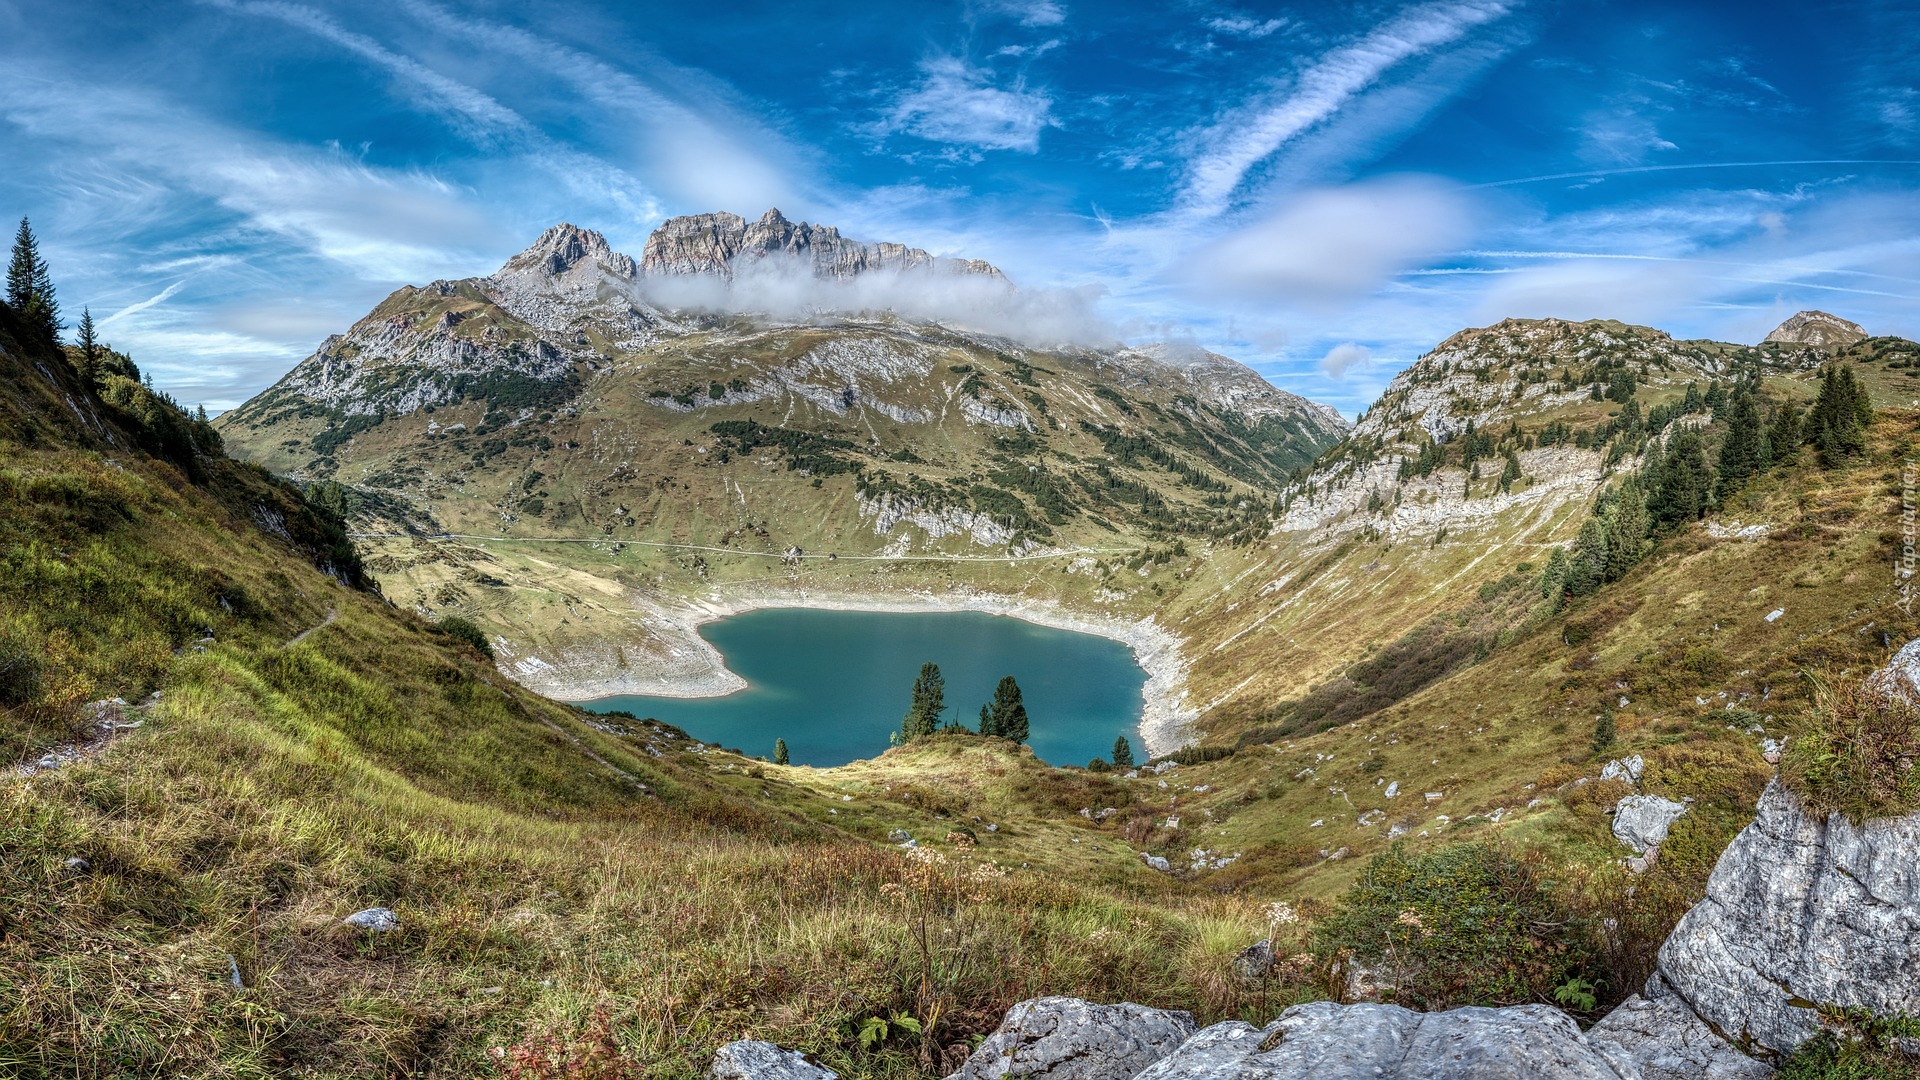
x=1325, y=1041
x=1626, y=768
x=1661, y=1037
x=1802, y=910
x=1642, y=821
x=1063, y=1038
x=751, y=1059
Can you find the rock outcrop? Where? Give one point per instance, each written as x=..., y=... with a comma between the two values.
x=721, y=244
x=1063, y=1038
x=1659, y=1035
x=1818, y=329
x=1801, y=913
x=1325, y=1041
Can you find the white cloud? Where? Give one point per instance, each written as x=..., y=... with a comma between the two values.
x=1027, y=12
x=957, y=102
x=1325, y=247
x=1345, y=357
x=1243, y=138
x=786, y=288
x=1244, y=27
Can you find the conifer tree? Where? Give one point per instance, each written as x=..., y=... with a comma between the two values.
x=986, y=721
x=929, y=701
x=1783, y=435
x=1008, y=712
x=1122, y=753
x=1587, y=568
x=89, y=343
x=1683, y=484
x=1837, y=424
x=1743, y=454
x=1628, y=528
x=1693, y=403
x=30, y=285
x=779, y=751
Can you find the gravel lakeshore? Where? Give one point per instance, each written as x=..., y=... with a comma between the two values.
x=680, y=663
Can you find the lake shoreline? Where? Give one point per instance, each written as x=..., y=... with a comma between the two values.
x=698, y=670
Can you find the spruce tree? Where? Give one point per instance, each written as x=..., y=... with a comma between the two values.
x=1628, y=527
x=1742, y=454
x=1837, y=424
x=1122, y=753
x=30, y=285
x=1588, y=567
x=779, y=751
x=1683, y=484
x=986, y=721
x=929, y=701
x=1783, y=436
x=89, y=343
x=1009, y=713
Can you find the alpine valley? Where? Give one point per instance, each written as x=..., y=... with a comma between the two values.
x=1550, y=720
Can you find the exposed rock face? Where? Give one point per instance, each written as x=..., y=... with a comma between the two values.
x=1663, y=1038
x=1802, y=911
x=1062, y=1038
x=720, y=244
x=1642, y=821
x=750, y=1059
x=1818, y=329
x=1223, y=383
x=1325, y=1041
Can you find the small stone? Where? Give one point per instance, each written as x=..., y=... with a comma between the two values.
x=1393, y=789
x=78, y=866
x=377, y=920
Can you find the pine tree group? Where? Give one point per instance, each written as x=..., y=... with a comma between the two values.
x=30, y=285
x=1837, y=424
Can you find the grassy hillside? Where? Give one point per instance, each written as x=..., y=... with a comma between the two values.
x=563, y=885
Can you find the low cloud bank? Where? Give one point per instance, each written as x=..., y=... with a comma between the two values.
x=786, y=288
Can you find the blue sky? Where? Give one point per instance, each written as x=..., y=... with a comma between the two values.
x=1322, y=190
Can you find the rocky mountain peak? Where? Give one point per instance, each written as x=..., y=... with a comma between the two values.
x=1818, y=329
x=563, y=248
x=721, y=244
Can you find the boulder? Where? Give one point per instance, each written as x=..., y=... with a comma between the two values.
x=1063, y=1038
x=1802, y=911
x=378, y=920
x=1325, y=1041
x=1255, y=962
x=1627, y=768
x=1642, y=821
x=1663, y=1038
x=751, y=1059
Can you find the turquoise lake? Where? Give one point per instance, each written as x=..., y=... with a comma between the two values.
x=835, y=684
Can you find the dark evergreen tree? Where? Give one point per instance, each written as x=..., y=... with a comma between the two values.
x=30, y=286
x=986, y=721
x=1693, y=403
x=1783, y=435
x=1683, y=484
x=1122, y=753
x=1837, y=423
x=1604, y=732
x=89, y=342
x=1008, y=712
x=1743, y=454
x=779, y=751
x=1510, y=473
x=1628, y=528
x=1553, y=579
x=1587, y=567
x=929, y=701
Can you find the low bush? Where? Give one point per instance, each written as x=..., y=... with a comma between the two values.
x=1476, y=923
x=1856, y=749
x=467, y=632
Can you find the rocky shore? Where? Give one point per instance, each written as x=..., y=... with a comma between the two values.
x=675, y=661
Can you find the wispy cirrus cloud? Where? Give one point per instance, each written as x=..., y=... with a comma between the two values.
x=1236, y=142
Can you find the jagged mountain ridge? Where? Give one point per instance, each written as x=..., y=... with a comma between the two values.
x=721, y=243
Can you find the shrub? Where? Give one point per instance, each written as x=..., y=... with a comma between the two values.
x=19, y=669
x=1469, y=924
x=465, y=631
x=1855, y=750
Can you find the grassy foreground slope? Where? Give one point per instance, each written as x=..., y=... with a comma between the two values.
x=564, y=890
